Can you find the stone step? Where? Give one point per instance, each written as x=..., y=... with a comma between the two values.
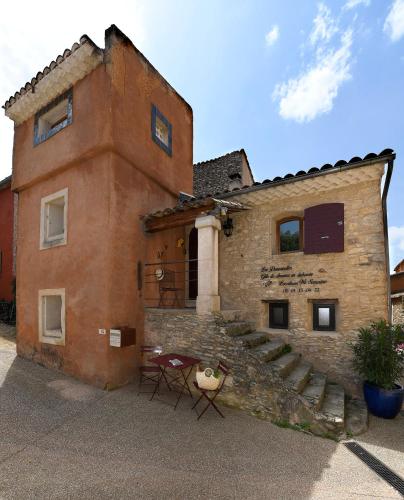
x=236, y=328
x=299, y=377
x=333, y=407
x=231, y=315
x=269, y=350
x=286, y=363
x=314, y=391
x=254, y=339
x=356, y=417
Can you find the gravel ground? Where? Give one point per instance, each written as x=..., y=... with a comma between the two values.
x=61, y=439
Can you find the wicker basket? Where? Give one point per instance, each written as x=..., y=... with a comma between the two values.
x=206, y=379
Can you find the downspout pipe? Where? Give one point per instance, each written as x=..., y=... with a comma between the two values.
x=390, y=165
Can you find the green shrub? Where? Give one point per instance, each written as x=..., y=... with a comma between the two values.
x=287, y=348
x=379, y=354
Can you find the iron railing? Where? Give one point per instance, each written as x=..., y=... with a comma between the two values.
x=171, y=284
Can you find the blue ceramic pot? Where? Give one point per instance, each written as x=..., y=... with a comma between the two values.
x=383, y=403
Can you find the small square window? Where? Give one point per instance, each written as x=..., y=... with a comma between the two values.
x=323, y=316
x=279, y=315
x=52, y=316
x=53, y=118
x=161, y=130
x=54, y=220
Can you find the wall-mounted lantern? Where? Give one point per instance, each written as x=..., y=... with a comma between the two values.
x=228, y=227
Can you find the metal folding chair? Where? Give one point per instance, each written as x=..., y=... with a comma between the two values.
x=167, y=285
x=210, y=396
x=149, y=374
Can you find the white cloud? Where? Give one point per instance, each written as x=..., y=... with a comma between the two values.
x=313, y=92
x=272, y=36
x=324, y=25
x=394, y=24
x=351, y=4
x=396, y=240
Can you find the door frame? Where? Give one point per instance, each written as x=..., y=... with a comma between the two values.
x=191, y=303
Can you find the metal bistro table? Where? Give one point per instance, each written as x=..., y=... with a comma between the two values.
x=182, y=364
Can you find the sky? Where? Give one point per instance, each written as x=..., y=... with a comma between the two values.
x=295, y=83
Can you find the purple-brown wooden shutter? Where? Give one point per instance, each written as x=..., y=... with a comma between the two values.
x=324, y=228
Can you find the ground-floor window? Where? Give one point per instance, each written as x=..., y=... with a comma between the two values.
x=324, y=316
x=279, y=314
x=52, y=316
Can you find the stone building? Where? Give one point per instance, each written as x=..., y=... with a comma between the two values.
x=397, y=293
x=285, y=274
x=265, y=276
x=8, y=206
x=224, y=173
x=100, y=139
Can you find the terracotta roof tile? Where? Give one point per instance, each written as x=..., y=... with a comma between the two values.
x=301, y=174
x=30, y=86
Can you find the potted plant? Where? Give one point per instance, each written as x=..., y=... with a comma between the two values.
x=379, y=359
x=208, y=379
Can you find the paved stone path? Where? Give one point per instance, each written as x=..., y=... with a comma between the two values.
x=61, y=439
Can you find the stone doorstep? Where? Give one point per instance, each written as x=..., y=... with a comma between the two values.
x=314, y=392
x=268, y=351
x=299, y=377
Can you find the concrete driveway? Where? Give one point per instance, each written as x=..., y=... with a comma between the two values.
x=60, y=439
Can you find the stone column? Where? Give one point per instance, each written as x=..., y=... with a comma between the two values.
x=208, y=299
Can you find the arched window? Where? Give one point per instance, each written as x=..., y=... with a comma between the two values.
x=290, y=235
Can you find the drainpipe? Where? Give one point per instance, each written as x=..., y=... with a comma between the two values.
x=386, y=186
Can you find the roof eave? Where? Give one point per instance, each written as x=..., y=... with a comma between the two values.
x=59, y=76
x=4, y=183
x=348, y=166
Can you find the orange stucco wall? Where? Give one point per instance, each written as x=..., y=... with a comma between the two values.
x=115, y=174
x=6, y=242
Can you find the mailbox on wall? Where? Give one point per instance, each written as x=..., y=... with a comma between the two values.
x=122, y=336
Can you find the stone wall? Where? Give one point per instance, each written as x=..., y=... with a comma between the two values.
x=398, y=309
x=355, y=278
x=251, y=386
x=221, y=174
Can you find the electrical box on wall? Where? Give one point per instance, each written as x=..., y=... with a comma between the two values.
x=122, y=336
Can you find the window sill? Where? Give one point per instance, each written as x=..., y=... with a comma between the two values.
x=292, y=252
x=52, y=340
x=277, y=331
x=54, y=243
x=324, y=333
x=44, y=137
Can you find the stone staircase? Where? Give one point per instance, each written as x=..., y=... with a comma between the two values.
x=306, y=397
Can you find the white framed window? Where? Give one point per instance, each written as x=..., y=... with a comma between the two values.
x=54, y=219
x=51, y=312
